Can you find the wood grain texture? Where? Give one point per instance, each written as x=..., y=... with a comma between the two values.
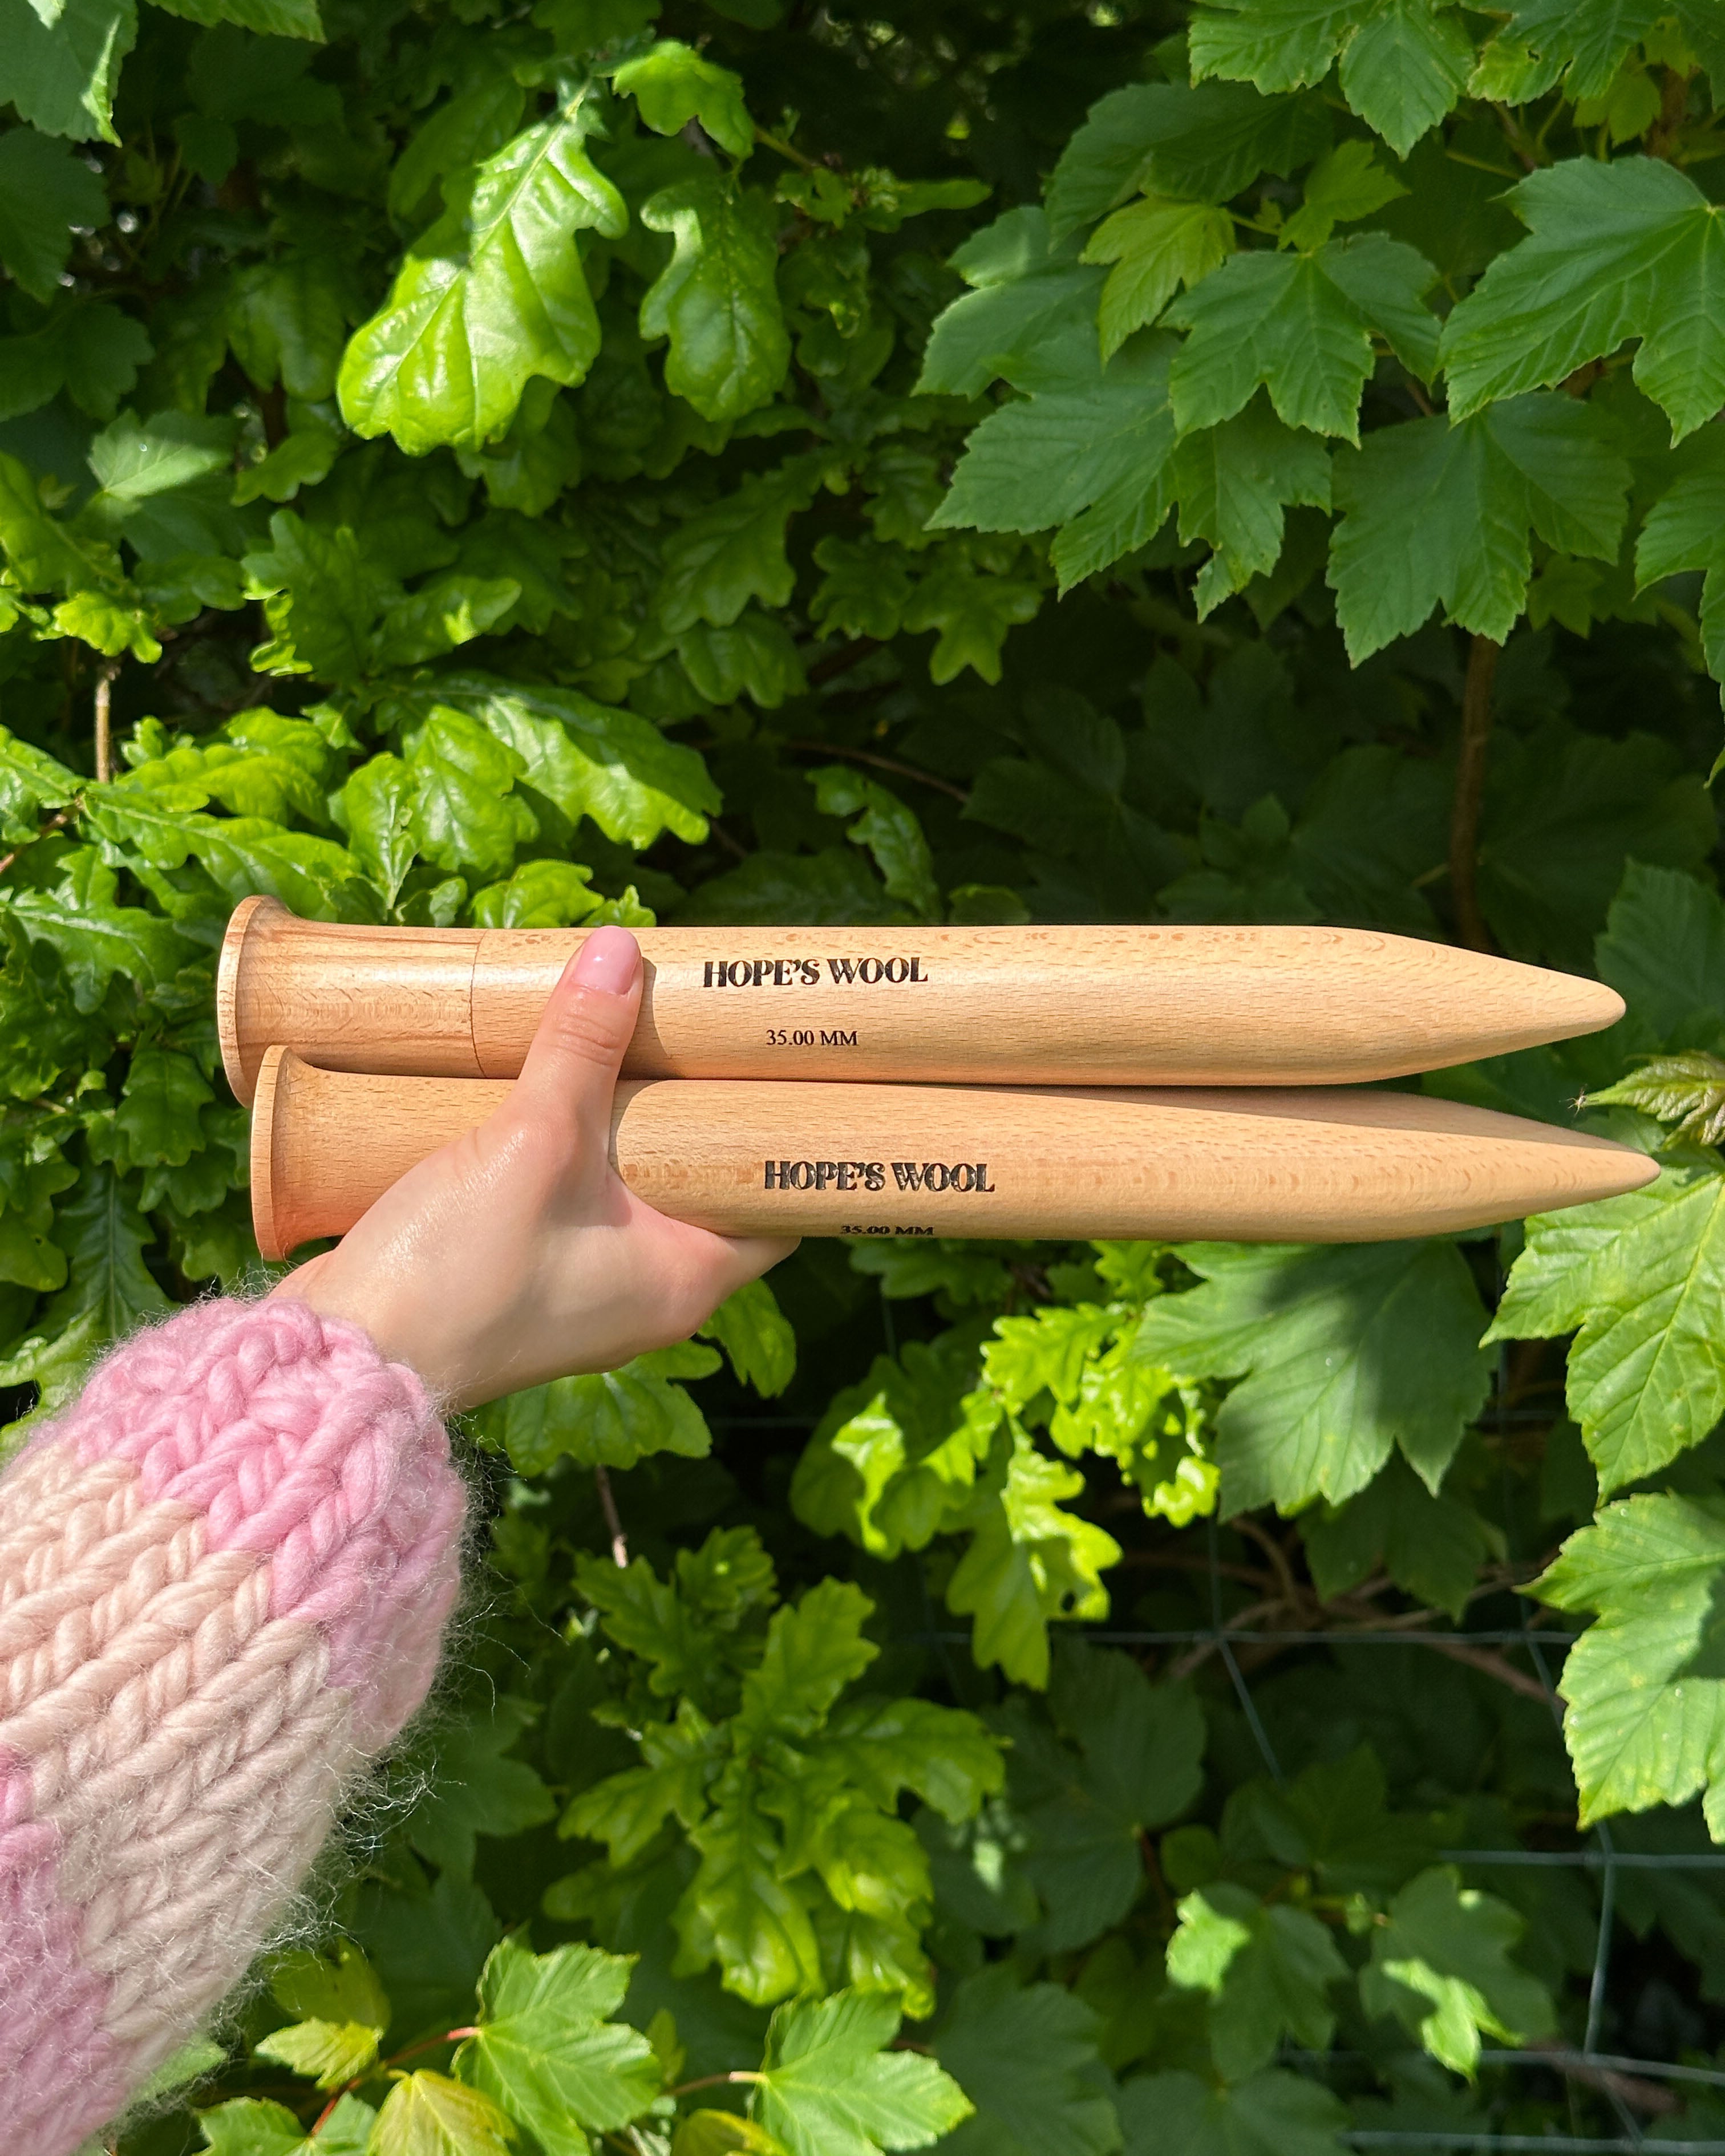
x=746, y=1158
x=1109, y=1006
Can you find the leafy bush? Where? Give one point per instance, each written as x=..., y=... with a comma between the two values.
x=539, y=461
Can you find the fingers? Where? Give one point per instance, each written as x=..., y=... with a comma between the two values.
x=691, y=1270
x=570, y=1072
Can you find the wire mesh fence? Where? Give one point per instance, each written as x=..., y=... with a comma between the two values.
x=1587, y=2066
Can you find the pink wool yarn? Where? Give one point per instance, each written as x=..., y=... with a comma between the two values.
x=224, y=1574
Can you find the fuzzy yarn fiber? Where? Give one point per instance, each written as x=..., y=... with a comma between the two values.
x=224, y=1574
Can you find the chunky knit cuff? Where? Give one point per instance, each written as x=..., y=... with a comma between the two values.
x=224, y=1574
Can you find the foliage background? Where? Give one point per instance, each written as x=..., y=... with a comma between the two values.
x=581, y=460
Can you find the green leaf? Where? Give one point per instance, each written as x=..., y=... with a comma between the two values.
x=1027, y=2059
x=1204, y=143
x=1302, y=326
x=626, y=1810
x=243, y=853
x=157, y=1115
x=1136, y=1766
x=1267, y=1968
x=539, y=895
x=1235, y=482
x=830, y=2087
x=1436, y=515
x=1641, y=1276
x=1686, y=1092
x=1020, y=292
x=428, y=1944
x=476, y=122
x=709, y=1614
x=1645, y=1721
x=1629, y=248
x=376, y=808
x=1682, y=530
x=477, y=1790
x=248, y=2126
x=104, y=1238
x=491, y=295
x=1351, y=1351
x=1273, y=2114
x=1333, y=1821
x=44, y=191
x=1441, y=1966
x=191, y=2063
x=973, y=612
x=1027, y=1561
x=547, y=2050
x=1589, y=39
x=286, y=319
x=1156, y=247
x=1085, y=439
x=812, y=1652
x=321, y=601
x=96, y=938
x=1564, y=812
x=672, y=85
x=45, y=554
x=272, y=18
x=586, y=758
x=1663, y=950
x=734, y=550
x=465, y=812
x=896, y=1457
x=330, y=2053
x=889, y=831
x=31, y=781
x=610, y=1418
x=1405, y=63
x=1430, y=1546
x=718, y=298
x=61, y=67
x=341, y=1986
x=758, y=1339
x=427, y=2114
x=739, y=1910
x=1345, y=184
x=723, y=2134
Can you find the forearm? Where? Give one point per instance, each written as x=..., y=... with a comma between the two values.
x=224, y=1574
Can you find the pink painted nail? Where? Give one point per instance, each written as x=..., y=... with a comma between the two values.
x=610, y=959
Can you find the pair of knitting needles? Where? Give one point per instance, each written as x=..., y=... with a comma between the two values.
x=1165, y=1083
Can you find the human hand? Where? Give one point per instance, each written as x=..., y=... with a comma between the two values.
x=517, y=1254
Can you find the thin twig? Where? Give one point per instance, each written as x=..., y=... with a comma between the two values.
x=1492, y=1665
x=1629, y=2088
x=840, y=662
x=614, y=1521
x=1470, y=792
x=53, y=823
x=103, y=731
x=715, y=2081
x=1278, y=1557
x=881, y=763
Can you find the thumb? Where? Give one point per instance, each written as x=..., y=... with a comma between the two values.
x=570, y=1071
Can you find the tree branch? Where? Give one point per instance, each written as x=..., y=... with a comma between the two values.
x=613, y=1519
x=104, y=729
x=1470, y=792
x=1492, y=1665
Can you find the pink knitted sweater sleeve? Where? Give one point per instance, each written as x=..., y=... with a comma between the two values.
x=224, y=1574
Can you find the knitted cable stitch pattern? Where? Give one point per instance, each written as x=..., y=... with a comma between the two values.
x=224, y=1574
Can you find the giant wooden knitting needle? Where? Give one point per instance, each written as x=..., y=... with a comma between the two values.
x=1119, y=1006
x=752, y=1159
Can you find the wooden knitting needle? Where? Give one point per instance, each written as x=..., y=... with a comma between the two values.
x=751, y=1158
x=1119, y=1006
